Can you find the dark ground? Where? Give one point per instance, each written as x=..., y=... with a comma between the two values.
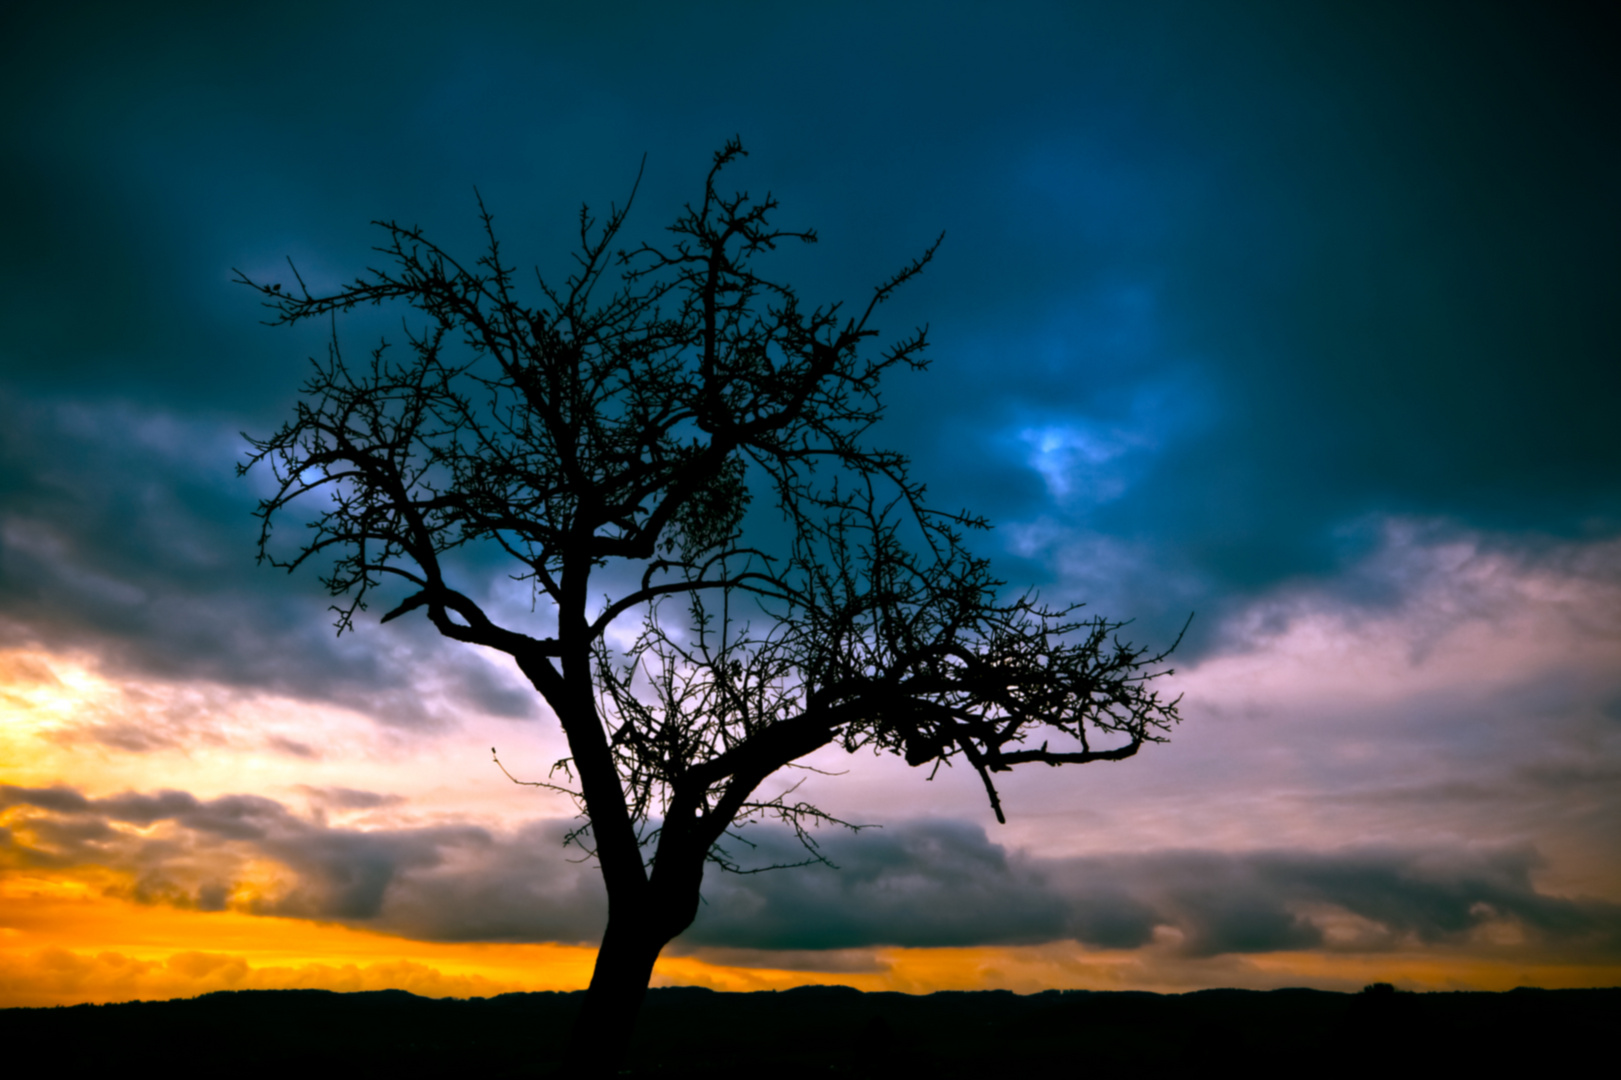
x=833, y=1031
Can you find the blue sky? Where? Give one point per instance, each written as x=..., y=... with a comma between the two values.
x=1300, y=317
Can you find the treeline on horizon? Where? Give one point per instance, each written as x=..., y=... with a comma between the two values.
x=832, y=1030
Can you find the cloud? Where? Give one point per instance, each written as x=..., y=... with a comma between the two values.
x=929, y=884
x=924, y=884
x=349, y=798
x=1175, y=207
x=1447, y=691
x=177, y=597
x=438, y=882
x=920, y=884
x=1353, y=901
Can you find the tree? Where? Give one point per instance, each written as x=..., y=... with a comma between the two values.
x=611, y=450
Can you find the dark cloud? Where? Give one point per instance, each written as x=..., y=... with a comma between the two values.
x=1271, y=901
x=1257, y=274
x=524, y=887
x=945, y=883
x=927, y=884
x=917, y=884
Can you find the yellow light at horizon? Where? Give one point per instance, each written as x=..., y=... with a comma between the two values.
x=62, y=942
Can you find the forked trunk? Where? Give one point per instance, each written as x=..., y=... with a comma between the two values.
x=602, y=1031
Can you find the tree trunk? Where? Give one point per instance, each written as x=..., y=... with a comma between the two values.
x=638, y=929
x=602, y=1031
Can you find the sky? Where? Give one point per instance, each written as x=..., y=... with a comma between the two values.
x=1300, y=319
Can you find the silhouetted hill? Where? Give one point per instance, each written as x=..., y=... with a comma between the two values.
x=826, y=1030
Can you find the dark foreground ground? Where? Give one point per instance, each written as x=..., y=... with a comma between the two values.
x=832, y=1031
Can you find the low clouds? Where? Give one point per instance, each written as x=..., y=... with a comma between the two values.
x=436, y=882
x=920, y=884
x=930, y=884
x=440, y=882
x=1351, y=901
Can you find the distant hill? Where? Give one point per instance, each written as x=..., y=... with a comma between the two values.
x=835, y=1031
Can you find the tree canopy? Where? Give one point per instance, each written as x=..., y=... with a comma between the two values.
x=670, y=440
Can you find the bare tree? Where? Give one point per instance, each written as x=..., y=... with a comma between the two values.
x=611, y=448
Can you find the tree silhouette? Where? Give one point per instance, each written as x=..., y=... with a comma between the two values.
x=611, y=449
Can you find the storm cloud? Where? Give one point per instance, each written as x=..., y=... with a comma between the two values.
x=1206, y=304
